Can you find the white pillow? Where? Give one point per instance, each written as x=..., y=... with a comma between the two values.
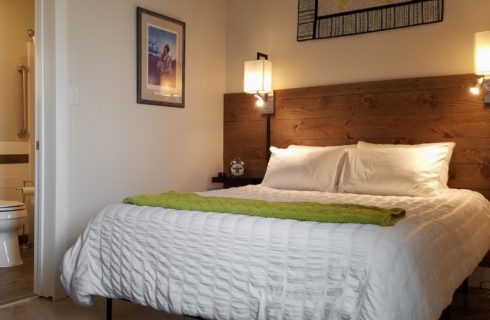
x=445, y=165
x=296, y=170
x=394, y=171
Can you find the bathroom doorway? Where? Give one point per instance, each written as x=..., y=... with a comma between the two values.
x=17, y=149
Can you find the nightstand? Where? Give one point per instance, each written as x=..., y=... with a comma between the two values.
x=230, y=182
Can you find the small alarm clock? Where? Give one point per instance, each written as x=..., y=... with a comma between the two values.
x=237, y=167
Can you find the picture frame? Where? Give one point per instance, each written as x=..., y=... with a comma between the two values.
x=160, y=59
x=321, y=19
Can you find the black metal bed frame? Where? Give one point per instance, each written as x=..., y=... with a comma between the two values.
x=464, y=288
x=108, y=309
x=108, y=312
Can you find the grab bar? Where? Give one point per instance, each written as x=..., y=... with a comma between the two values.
x=23, y=132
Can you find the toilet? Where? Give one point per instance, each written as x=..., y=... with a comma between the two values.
x=12, y=217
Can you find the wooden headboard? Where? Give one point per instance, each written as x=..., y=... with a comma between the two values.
x=408, y=111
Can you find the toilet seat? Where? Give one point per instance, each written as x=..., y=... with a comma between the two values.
x=9, y=206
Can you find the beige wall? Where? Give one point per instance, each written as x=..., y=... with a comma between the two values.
x=270, y=27
x=116, y=147
x=16, y=16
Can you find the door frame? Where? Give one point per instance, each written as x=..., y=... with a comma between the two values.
x=39, y=248
x=50, y=158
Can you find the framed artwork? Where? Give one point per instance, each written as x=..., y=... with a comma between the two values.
x=319, y=19
x=160, y=59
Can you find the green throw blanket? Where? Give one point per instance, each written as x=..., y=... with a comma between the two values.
x=302, y=211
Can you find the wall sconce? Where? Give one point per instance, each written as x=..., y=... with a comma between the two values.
x=257, y=80
x=482, y=65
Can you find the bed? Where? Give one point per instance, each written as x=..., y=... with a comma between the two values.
x=228, y=266
x=221, y=266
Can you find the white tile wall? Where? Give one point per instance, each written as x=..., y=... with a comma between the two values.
x=14, y=147
x=12, y=177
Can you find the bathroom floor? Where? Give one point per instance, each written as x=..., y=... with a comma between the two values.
x=17, y=282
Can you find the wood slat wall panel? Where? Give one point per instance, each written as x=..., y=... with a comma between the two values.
x=239, y=108
x=245, y=133
x=400, y=85
x=442, y=101
x=409, y=111
x=469, y=176
x=384, y=126
x=485, y=192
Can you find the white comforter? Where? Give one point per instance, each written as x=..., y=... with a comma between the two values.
x=223, y=266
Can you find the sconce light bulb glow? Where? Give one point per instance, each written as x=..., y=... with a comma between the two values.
x=475, y=90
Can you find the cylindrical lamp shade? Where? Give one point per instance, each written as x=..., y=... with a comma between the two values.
x=258, y=76
x=482, y=53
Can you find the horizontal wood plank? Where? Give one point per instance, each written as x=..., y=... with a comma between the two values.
x=245, y=133
x=398, y=85
x=443, y=101
x=429, y=126
x=241, y=107
x=466, y=175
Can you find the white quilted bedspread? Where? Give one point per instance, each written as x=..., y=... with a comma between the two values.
x=223, y=266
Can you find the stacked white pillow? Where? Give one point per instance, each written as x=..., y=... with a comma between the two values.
x=402, y=170
x=381, y=169
x=315, y=169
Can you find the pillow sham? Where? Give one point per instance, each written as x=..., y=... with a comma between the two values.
x=309, y=171
x=444, y=176
x=394, y=171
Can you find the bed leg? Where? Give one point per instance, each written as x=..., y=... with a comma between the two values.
x=108, y=312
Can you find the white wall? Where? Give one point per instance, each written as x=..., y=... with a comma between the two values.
x=109, y=147
x=118, y=148
x=270, y=27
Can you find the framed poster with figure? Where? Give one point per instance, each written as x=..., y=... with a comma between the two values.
x=160, y=59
